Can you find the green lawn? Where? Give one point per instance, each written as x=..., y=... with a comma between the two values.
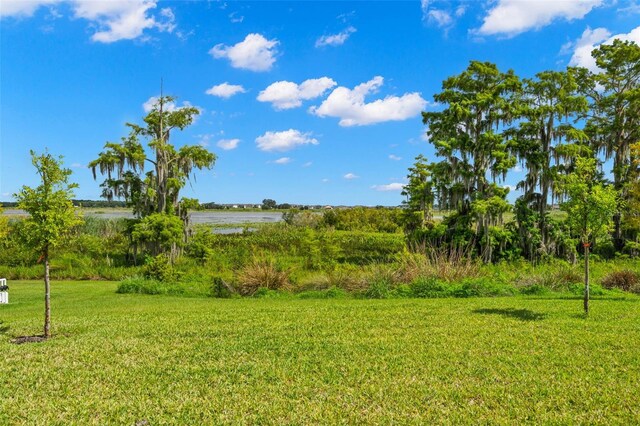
x=121, y=359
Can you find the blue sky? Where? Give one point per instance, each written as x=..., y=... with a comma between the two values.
x=303, y=102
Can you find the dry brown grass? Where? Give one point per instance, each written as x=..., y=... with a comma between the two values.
x=261, y=273
x=624, y=280
x=448, y=264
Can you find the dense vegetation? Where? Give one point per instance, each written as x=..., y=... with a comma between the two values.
x=555, y=126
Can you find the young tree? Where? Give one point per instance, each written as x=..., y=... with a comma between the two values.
x=418, y=208
x=158, y=232
x=51, y=215
x=631, y=218
x=123, y=163
x=613, y=122
x=590, y=207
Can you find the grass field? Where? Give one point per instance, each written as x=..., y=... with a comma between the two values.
x=122, y=359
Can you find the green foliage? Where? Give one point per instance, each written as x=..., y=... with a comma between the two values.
x=159, y=232
x=550, y=105
x=139, y=285
x=302, y=218
x=631, y=217
x=200, y=244
x=159, y=268
x=123, y=163
x=330, y=293
x=364, y=219
x=4, y=225
x=590, y=205
x=431, y=287
x=220, y=289
x=417, y=214
x=379, y=288
x=51, y=213
x=483, y=287
x=268, y=204
x=468, y=135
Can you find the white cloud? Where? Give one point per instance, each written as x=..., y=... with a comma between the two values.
x=122, y=19
x=152, y=101
x=351, y=176
x=284, y=141
x=440, y=17
x=307, y=164
x=512, y=17
x=235, y=18
x=225, y=90
x=349, y=105
x=254, y=53
x=286, y=95
x=424, y=5
x=517, y=168
x=335, y=39
x=228, y=144
x=394, y=157
x=631, y=9
x=325, y=180
x=78, y=166
x=283, y=160
x=389, y=187
x=148, y=105
x=22, y=8
x=113, y=20
x=591, y=39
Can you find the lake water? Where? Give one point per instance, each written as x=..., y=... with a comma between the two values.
x=211, y=217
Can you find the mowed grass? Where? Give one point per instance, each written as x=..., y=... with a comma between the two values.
x=122, y=359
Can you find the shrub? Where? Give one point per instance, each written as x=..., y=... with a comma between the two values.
x=450, y=264
x=140, y=285
x=624, y=280
x=431, y=288
x=534, y=290
x=594, y=289
x=220, y=289
x=331, y=293
x=265, y=293
x=159, y=268
x=344, y=277
x=483, y=287
x=559, y=279
x=402, y=291
x=379, y=288
x=261, y=273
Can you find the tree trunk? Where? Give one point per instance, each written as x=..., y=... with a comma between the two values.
x=586, y=278
x=618, y=241
x=542, y=209
x=47, y=296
